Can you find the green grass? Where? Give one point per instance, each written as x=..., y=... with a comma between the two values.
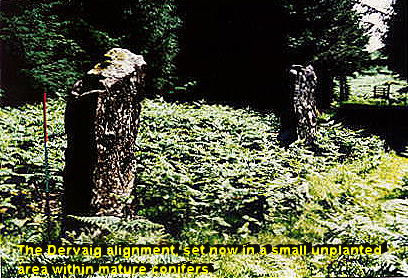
x=214, y=174
x=362, y=86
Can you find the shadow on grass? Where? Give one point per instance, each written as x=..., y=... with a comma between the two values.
x=388, y=122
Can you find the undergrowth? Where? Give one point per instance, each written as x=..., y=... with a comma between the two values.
x=214, y=174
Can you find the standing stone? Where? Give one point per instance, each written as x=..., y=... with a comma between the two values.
x=302, y=112
x=344, y=88
x=101, y=121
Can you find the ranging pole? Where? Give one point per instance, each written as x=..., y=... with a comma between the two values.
x=46, y=167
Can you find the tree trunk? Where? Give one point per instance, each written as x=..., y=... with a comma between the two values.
x=102, y=118
x=324, y=91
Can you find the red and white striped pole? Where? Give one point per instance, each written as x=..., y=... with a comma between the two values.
x=45, y=118
x=46, y=166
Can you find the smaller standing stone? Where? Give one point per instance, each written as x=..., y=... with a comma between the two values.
x=301, y=122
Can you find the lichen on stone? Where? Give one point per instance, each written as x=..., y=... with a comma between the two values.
x=120, y=63
x=117, y=54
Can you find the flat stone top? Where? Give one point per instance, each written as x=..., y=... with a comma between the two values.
x=119, y=64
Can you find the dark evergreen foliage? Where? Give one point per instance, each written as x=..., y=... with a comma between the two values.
x=51, y=43
x=242, y=48
x=328, y=34
x=239, y=50
x=48, y=47
x=396, y=39
x=149, y=28
x=235, y=48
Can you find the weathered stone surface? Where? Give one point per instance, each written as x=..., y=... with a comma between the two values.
x=298, y=121
x=303, y=82
x=102, y=118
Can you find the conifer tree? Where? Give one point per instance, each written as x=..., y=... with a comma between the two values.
x=54, y=42
x=396, y=39
x=329, y=35
x=145, y=27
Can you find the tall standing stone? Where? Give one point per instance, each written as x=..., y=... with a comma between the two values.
x=101, y=121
